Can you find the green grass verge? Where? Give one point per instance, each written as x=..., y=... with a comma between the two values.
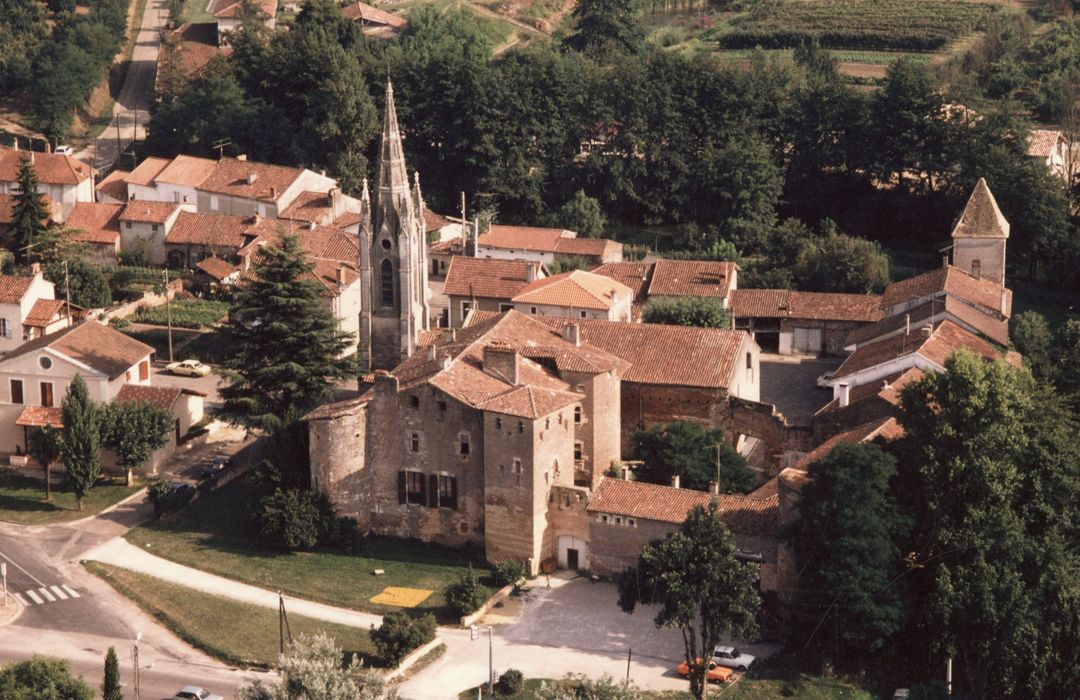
x=213, y=534
x=158, y=338
x=186, y=313
x=236, y=633
x=21, y=499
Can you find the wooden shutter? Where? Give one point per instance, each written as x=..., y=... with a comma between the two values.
x=423, y=491
x=453, y=492
x=433, y=491
x=401, y=494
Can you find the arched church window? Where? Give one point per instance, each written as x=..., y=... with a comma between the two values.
x=386, y=283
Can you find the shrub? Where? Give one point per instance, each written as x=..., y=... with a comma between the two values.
x=466, y=595
x=509, y=571
x=400, y=633
x=347, y=536
x=167, y=499
x=296, y=519
x=510, y=682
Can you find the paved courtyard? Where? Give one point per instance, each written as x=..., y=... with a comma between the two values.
x=790, y=383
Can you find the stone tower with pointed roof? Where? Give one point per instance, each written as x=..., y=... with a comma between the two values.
x=393, y=255
x=980, y=235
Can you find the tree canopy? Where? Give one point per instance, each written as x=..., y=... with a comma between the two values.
x=703, y=312
x=80, y=440
x=29, y=214
x=696, y=454
x=133, y=431
x=42, y=678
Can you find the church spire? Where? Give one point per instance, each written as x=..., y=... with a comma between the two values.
x=393, y=177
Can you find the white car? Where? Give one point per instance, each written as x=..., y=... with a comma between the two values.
x=64, y=151
x=188, y=368
x=823, y=380
x=191, y=692
x=731, y=657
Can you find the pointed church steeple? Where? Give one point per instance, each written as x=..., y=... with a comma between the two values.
x=393, y=177
x=980, y=236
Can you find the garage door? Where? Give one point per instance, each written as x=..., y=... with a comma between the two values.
x=807, y=339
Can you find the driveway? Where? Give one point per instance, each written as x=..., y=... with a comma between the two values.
x=790, y=383
x=575, y=627
x=208, y=384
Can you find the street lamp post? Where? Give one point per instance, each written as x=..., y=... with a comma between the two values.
x=135, y=663
x=491, y=664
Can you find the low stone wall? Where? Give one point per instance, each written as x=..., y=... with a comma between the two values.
x=410, y=660
x=500, y=595
x=149, y=300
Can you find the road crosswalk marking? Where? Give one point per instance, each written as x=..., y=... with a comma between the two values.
x=46, y=594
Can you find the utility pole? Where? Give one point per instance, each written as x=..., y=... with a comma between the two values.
x=67, y=292
x=948, y=677
x=718, y=466
x=491, y=665
x=168, y=308
x=119, y=149
x=629, y=652
x=135, y=662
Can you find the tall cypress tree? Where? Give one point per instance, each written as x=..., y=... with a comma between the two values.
x=110, y=685
x=29, y=213
x=80, y=443
x=287, y=349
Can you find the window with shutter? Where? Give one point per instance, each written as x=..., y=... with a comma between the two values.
x=401, y=493
x=433, y=491
x=447, y=491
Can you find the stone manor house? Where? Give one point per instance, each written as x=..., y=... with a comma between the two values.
x=509, y=432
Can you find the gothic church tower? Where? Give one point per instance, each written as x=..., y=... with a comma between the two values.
x=393, y=255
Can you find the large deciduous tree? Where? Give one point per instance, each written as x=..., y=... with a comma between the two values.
x=80, y=444
x=607, y=29
x=42, y=678
x=701, y=588
x=311, y=668
x=839, y=263
x=44, y=446
x=846, y=544
x=696, y=454
x=29, y=214
x=287, y=349
x=703, y=312
x=133, y=431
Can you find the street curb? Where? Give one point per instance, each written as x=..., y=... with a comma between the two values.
x=18, y=612
x=114, y=506
x=413, y=656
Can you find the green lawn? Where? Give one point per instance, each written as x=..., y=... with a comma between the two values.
x=214, y=534
x=237, y=633
x=158, y=338
x=21, y=499
x=186, y=313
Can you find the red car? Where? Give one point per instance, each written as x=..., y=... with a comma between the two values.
x=716, y=674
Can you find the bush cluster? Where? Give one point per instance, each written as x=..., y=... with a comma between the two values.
x=297, y=519
x=509, y=571
x=511, y=681
x=400, y=633
x=467, y=594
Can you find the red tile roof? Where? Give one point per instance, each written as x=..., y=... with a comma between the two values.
x=487, y=278
x=95, y=223
x=634, y=275
x=114, y=185
x=691, y=278
x=7, y=203
x=993, y=327
x=529, y=402
x=212, y=230
x=576, y=289
x=164, y=397
x=44, y=312
x=51, y=168
x=216, y=267
x=822, y=306
x=40, y=416
x=527, y=238
x=14, y=287
x=433, y=221
x=1043, y=142
x=948, y=280
x=981, y=216
x=102, y=348
x=188, y=171
x=188, y=49
x=230, y=176
x=148, y=212
x=451, y=246
x=315, y=207
x=888, y=389
x=636, y=499
x=373, y=15
x=885, y=428
x=321, y=242
x=231, y=9
x=591, y=247
x=147, y=171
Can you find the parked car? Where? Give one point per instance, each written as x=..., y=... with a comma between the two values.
x=715, y=674
x=823, y=380
x=211, y=470
x=64, y=151
x=730, y=657
x=192, y=692
x=187, y=368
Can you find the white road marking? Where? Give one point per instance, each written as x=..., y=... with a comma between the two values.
x=45, y=593
x=71, y=591
x=34, y=597
x=59, y=593
x=32, y=577
x=21, y=599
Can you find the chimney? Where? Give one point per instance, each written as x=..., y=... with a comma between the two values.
x=453, y=334
x=31, y=157
x=336, y=203
x=251, y=178
x=311, y=225
x=15, y=142
x=927, y=331
x=48, y=148
x=501, y=360
x=714, y=488
x=845, y=393
x=431, y=353
x=242, y=157
x=341, y=275
x=675, y=481
x=385, y=383
x=907, y=324
x=273, y=193
x=530, y=271
x=35, y=269
x=572, y=333
x=1004, y=301
x=624, y=473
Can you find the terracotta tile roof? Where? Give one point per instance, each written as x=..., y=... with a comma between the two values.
x=231, y=9
x=321, y=242
x=1043, y=142
x=433, y=221
x=996, y=329
x=981, y=216
x=576, y=289
x=664, y=355
x=315, y=207
x=14, y=287
x=216, y=267
x=115, y=185
x=188, y=171
x=164, y=397
x=337, y=409
x=594, y=247
x=784, y=303
x=51, y=168
x=230, y=177
x=886, y=429
x=99, y=347
x=212, y=230
x=148, y=212
x=948, y=280
x=189, y=48
x=487, y=278
x=529, y=238
x=44, y=312
x=564, y=361
x=887, y=388
x=946, y=338
x=367, y=14
x=637, y=499
x=95, y=223
x=634, y=275
x=40, y=416
x=7, y=203
x=451, y=246
x=529, y=402
x=148, y=170
x=691, y=278
x=327, y=273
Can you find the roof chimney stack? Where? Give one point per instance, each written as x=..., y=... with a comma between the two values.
x=251, y=178
x=572, y=333
x=927, y=331
x=714, y=488
x=501, y=360
x=242, y=157
x=431, y=353
x=845, y=393
x=341, y=275
x=530, y=271
x=675, y=481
